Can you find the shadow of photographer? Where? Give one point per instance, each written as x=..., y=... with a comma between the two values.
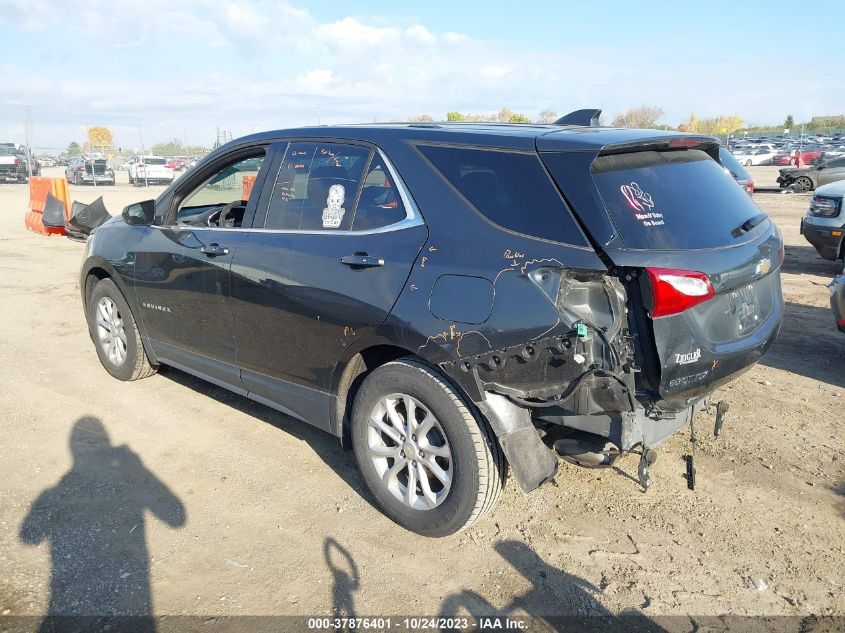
x=94, y=519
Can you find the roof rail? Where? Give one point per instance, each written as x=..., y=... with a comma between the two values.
x=588, y=117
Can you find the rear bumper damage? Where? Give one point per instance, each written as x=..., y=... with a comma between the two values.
x=534, y=463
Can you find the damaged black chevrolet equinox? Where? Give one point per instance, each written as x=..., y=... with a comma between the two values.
x=449, y=298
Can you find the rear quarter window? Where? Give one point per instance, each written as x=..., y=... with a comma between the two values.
x=511, y=189
x=672, y=200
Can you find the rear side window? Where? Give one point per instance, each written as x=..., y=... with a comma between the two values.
x=672, y=200
x=510, y=189
x=379, y=204
x=316, y=187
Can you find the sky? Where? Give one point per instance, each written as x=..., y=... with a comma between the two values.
x=152, y=70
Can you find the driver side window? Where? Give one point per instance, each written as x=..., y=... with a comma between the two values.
x=226, y=193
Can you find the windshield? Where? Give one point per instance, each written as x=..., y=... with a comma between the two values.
x=672, y=200
x=154, y=160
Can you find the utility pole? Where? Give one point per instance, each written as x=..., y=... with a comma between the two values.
x=27, y=134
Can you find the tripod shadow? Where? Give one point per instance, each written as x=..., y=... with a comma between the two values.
x=94, y=518
x=557, y=599
x=346, y=579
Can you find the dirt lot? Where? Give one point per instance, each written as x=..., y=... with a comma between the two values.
x=173, y=491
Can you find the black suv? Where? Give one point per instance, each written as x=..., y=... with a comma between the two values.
x=449, y=298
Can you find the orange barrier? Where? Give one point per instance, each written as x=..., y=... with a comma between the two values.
x=38, y=190
x=247, y=184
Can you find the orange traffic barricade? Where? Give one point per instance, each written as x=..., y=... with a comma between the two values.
x=247, y=184
x=39, y=188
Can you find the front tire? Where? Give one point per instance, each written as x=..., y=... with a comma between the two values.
x=115, y=334
x=433, y=465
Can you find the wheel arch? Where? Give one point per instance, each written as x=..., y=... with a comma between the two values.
x=351, y=372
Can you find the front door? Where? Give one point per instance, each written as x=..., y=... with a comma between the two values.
x=337, y=240
x=182, y=267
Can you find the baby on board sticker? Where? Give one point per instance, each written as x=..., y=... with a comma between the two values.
x=334, y=211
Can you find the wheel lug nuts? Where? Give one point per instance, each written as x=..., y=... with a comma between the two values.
x=414, y=463
x=414, y=437
x=422, y=454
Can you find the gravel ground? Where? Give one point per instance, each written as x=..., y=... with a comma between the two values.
x=172, y=496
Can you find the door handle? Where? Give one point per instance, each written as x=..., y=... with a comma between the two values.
x=214, y=250
x=362, y=260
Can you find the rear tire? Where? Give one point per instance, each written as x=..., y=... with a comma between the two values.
x=803, y=184
x=115, y=334
x=461, y=449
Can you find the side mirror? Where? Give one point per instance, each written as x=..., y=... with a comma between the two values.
x=140, y=213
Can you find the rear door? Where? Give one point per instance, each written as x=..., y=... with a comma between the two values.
x=831, y=172
x=334, y=239
x=702, y=259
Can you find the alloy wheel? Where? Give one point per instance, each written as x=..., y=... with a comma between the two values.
x=111, y=331
x=410, y=451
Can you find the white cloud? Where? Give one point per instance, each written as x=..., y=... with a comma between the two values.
x=197, y=64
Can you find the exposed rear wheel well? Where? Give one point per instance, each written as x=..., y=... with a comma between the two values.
x=356, y=370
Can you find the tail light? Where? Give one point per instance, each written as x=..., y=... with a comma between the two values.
x=674, y=291
x=17, y=162
x=749, y=187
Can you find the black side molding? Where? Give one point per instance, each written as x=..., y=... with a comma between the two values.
x=588, y=117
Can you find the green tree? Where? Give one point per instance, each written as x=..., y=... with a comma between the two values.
x=73, y=149
x=455, y=116
x=173, y=147
x=518, y=117
x=789, y=123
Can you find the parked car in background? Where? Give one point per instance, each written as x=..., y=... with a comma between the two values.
x=737, y=171
x=385, y=284
x=824, y=223
x=178, y=163
x=754, y=156
x=12, y=164
x=149, y=170
x=808, y=157
x=90, y=170
x=808, y=178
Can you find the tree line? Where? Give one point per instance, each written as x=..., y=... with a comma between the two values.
x=649, y=116
x=100, y=138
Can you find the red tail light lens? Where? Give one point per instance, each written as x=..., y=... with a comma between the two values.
x=677, y=290
x=749, y=187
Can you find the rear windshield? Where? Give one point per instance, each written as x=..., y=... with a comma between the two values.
x=510, y=189
x=672, y=200
x=154, y=161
